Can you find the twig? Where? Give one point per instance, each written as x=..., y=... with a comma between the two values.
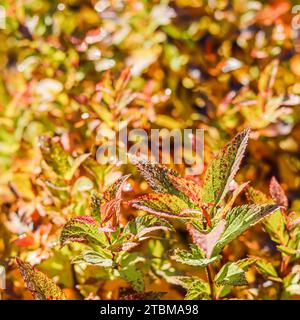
x=211, y=282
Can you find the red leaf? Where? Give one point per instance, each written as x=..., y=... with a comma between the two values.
x=24, y=240
x=277, y=193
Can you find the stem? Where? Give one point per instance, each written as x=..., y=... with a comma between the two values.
x=211, y=282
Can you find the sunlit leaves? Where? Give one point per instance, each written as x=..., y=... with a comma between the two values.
x=197, y=289
x=143, y=225
x=102, y=258
x=194, y=257
x=165, y=205
x=223, y=168
x=191, y=189
x=130, y=272
x=275, y=224
x=57, y=158
x=231, y=274
x=157, y=177
x=41, y=287
x=81, y=229
x=240, y=219
x=266, y=268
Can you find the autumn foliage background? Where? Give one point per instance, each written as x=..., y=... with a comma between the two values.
x=72, y=70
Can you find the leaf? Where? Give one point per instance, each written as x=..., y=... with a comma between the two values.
x=277, y=193
x=246, y=263
x=75, y=163
x=274, y=224
x=239, y=219
x=266, y=268
x=160, y=204
x=54, y=155
x=257, y=197
x=83, y=184
x=130, y=273
x=143, y=225
x=195, y=257
x=114, y=190
x=157, y=177
x=192, y=190
x=267, y=78
x=199, y=290
x=288, y=251
x=230, y=203
x=102, y=258
x=223, y=168
x=207, y=241
x=276, y=227
x=80, y=229
x=41, y=287
x=150, y=295
x=57, y=158
x=113, y=196
x=95, y=205
x=231, y=274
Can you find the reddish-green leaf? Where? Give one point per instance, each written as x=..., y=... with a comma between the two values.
x=81, y=229
x=278, y=194
x=160, y=204
x=223, y=168
x=192, y=190
x=207, y=241
x=41, y=287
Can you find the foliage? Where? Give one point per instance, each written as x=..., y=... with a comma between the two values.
x=73, y=74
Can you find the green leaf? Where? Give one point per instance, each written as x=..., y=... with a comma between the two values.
x=74, y=165
x=134, y=276
x=223, y=168
x=130, y=273
x=83, y=184
x=239, y=219
x=199, y=290
x=41, y=287
x=95, y=205
x=266, y=268
x=231, y=274
x=246, y=263
x=57, y=158
x=102, y=258
x=274, y=224
x=257, y=197
x=195, y=257
x=81, y=229
x=288, y=251
x=54, y=155
x=160, y=204
x=143, y=225
x=276, y=227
